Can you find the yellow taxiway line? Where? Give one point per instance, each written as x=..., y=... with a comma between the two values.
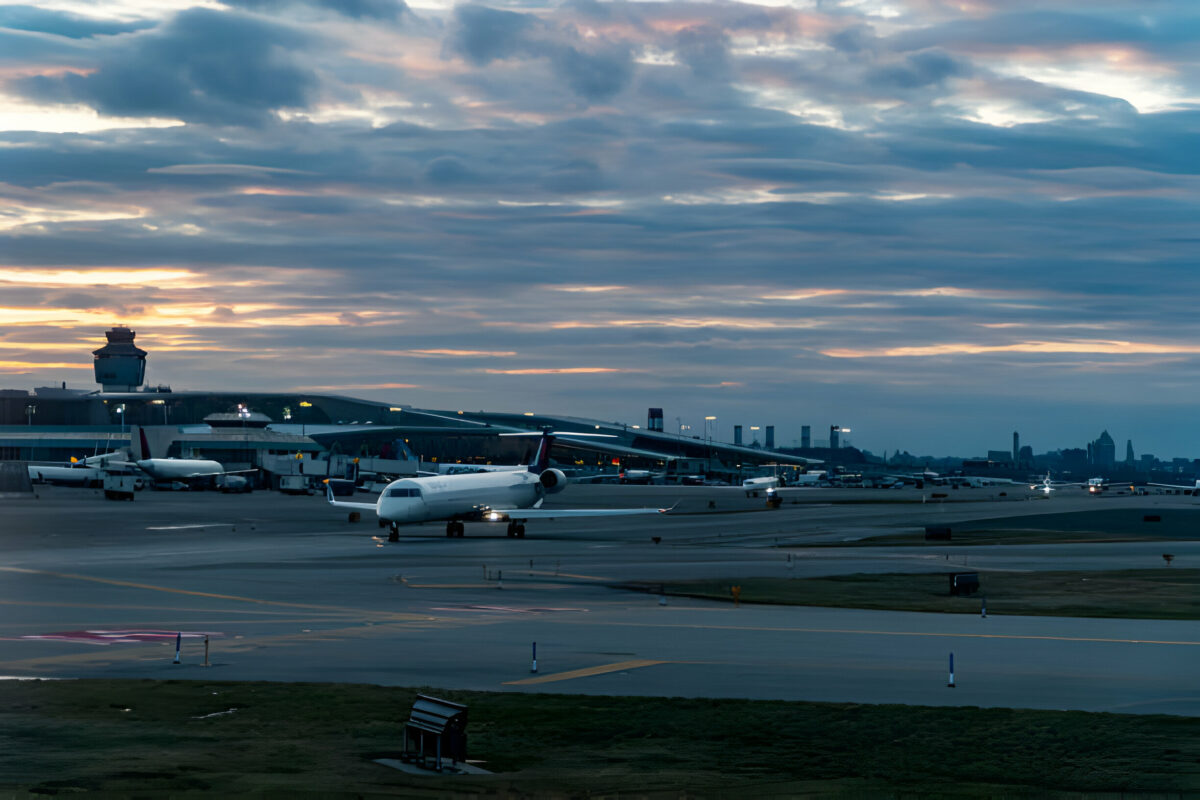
x=603, y=669
x=869, y=632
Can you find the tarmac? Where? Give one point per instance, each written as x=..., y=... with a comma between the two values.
x=287, y=589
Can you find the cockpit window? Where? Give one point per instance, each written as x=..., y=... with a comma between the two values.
x=403, y=491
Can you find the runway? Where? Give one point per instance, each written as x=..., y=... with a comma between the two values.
x=287, y=589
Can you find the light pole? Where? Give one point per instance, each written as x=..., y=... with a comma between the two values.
x=708, y=445
x=121, y=414
x=30, y=410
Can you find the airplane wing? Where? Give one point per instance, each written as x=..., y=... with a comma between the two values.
x=550, y=513
x=1193, y=487
x=346, y=503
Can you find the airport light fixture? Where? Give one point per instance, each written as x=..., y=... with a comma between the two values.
x=708, y=442
x=30, y=410
x=162, y=403
x=121, y=413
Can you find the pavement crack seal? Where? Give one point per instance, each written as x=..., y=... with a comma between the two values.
x=587, y=672
x=381, y=615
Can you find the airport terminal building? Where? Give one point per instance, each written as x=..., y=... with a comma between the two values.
x=289, y=432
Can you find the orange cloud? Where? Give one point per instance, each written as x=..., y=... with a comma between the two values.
x=25, y=366
x=452, y=353
x=962, y=348
x=555, y=371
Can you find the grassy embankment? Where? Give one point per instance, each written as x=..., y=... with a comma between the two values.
x=150, y=738
x=1164, y=593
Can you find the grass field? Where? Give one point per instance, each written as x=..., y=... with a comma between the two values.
x=1164, y=593
x=155, y=738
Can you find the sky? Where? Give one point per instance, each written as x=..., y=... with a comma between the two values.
x=931, y=222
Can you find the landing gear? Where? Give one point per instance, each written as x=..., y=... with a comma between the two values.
x=393, y=532
x=455, y=528
x=516, y=529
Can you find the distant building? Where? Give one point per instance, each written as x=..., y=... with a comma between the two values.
x=654, y=419
x=835, y=435
x=806, y=436
x=1000, y=457
x=1016, y=453
x=1129, y=459
x=737, y=435
x=1075, y=459
x=770, y=443
x=1102, y=453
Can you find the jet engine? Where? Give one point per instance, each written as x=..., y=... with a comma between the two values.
x=553, y=481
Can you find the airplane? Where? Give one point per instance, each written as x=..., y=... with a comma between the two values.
x=1047, y=485
x=179, y=469
x=639, y=476
x=512, y=497
x=89, y=471
x=920, y=478
x=979, y=481
x=1193, y=490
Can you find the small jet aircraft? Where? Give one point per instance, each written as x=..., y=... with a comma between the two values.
x=920, y=478
x=172, y=469
x=1193, y=490
x=510, y=496
x=1047, y=485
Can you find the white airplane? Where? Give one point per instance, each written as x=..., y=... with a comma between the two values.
x=174, y=469
x=920, y=478
x=979, y=481
x=1192, y=490
x=1047, y=485
x=511, y=497
x=88, y=471
x=639, y=476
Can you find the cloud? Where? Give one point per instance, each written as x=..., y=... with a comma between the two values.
x=201, y=66
x=62, y=23
x=356, y=9
x=595, y=69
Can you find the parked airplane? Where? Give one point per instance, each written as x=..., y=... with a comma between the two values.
x=88, y=471
x=639, y=476
x=979, y=481
x=176, y=469
x=511, y=497
x=1192, y=490
x=920, y=478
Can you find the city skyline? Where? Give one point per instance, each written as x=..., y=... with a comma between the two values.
x=931, y=223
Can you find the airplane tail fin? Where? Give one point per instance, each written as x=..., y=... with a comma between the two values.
x=541, y=459
x=142, y=449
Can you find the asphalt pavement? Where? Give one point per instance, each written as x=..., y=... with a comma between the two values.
x=286, y=588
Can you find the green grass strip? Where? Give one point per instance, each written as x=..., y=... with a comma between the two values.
x=156, y=738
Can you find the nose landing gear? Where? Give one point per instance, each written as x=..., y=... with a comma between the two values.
x=516, y=529
x=455, y=528
x=393, y=532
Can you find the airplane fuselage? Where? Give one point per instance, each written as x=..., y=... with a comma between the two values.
x=179, y=468
x=466, y=497
x=73, y=476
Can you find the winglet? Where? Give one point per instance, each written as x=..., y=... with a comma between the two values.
x=669, y=510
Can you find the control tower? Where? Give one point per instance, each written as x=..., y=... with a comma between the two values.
x=120, y=364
